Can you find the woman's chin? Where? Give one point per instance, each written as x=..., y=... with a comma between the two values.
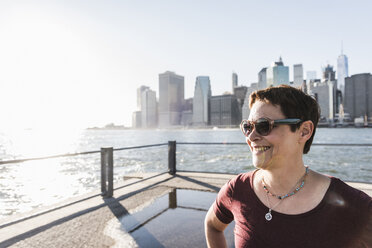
x=260, y=163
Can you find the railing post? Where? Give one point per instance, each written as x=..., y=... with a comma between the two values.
x=107, y=171
x=172, y=157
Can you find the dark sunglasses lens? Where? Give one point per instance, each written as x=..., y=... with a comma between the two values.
x=247, y=128
x=263, y=127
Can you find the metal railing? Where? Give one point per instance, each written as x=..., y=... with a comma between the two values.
x=107, y=164
x=107, y=159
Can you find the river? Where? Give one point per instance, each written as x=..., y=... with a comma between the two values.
x=28, y=185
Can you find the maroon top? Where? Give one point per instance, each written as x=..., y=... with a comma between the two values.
x=342, y=219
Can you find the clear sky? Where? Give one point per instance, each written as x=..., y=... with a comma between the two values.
x=78, y=63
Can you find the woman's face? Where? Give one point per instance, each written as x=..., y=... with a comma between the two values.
x=280, y=144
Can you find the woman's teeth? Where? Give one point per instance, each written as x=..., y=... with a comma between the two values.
x=262, y=148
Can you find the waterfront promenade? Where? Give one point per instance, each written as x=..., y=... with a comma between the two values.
x=85, y=221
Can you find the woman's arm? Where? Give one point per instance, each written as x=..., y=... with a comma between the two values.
x=214, y=230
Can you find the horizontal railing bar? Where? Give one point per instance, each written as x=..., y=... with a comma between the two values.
x=47, y=157
x=243, y=143
x=211, y=143
x=138, y=147
x=210, y=172
x=74, y=154
x=155, y=145
x=346, y=144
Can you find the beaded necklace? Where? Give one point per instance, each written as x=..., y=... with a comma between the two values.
x=268, y=215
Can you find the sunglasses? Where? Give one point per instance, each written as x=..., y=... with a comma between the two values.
x=263, y=126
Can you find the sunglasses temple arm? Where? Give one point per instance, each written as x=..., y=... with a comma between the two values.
x=287, y=121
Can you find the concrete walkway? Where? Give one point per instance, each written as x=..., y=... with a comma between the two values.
x=83, y=221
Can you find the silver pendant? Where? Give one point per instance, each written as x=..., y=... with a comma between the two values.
x=268, y=216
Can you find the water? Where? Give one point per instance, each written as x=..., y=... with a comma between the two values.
x=165, y=222
x=29, y=185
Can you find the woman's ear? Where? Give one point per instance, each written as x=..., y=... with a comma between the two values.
x=306, y=130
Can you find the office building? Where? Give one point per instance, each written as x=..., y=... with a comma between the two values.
x=171, y=99
x=137, y=115
x=188, y=104
x=262, y=79
x=311, y=76
x=136, y=119
x=277, y=74
x=148, y=109
x=187, y=112
x=342, y=72
x=328, y=73
x=358, y=95
x=245, y=109
x=139, y=94
x=225, y=111
x=234, y=81
x=240, y=92
x=298, y=75
x=325, y=94
x=201, y=104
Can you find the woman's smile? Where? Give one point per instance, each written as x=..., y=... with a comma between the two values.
x=259, y=149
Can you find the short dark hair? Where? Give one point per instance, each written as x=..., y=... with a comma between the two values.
x=293, y=102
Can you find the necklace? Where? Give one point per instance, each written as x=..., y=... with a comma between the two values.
x=268, y=215
x=281, y=197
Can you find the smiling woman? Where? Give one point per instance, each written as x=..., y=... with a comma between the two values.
x=283, y=203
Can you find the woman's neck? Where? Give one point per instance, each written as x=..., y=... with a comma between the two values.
x=282, y=179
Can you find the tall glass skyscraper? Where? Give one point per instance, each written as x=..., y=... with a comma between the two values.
x=277, y=74
x=201, y=105
x=234, y=81
x=342, y=73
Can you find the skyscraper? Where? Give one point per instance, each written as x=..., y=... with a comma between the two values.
x=329, y=73
x=141, y=89
x=298, y=75
x=358, y=92
x=148, y=109
x=136, y=119
x=171, y=98
x=225, y=111
x=342, y=72
x=324, y=93
x=245, y=108
x=262, y=79
x=201, y=102
x=277, y=74
x=234, y=81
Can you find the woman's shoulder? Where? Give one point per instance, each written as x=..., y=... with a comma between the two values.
x=349, y=194
x=240, y=181
x=243, y=177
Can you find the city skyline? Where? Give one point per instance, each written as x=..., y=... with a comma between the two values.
x=75, y=64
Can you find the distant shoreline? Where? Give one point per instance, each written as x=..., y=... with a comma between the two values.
x=207, y=127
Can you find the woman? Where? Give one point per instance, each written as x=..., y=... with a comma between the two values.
x=283, y=203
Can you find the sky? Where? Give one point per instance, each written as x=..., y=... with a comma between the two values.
x=77, y=64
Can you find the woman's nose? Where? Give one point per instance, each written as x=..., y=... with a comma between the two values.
x=253, y=136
